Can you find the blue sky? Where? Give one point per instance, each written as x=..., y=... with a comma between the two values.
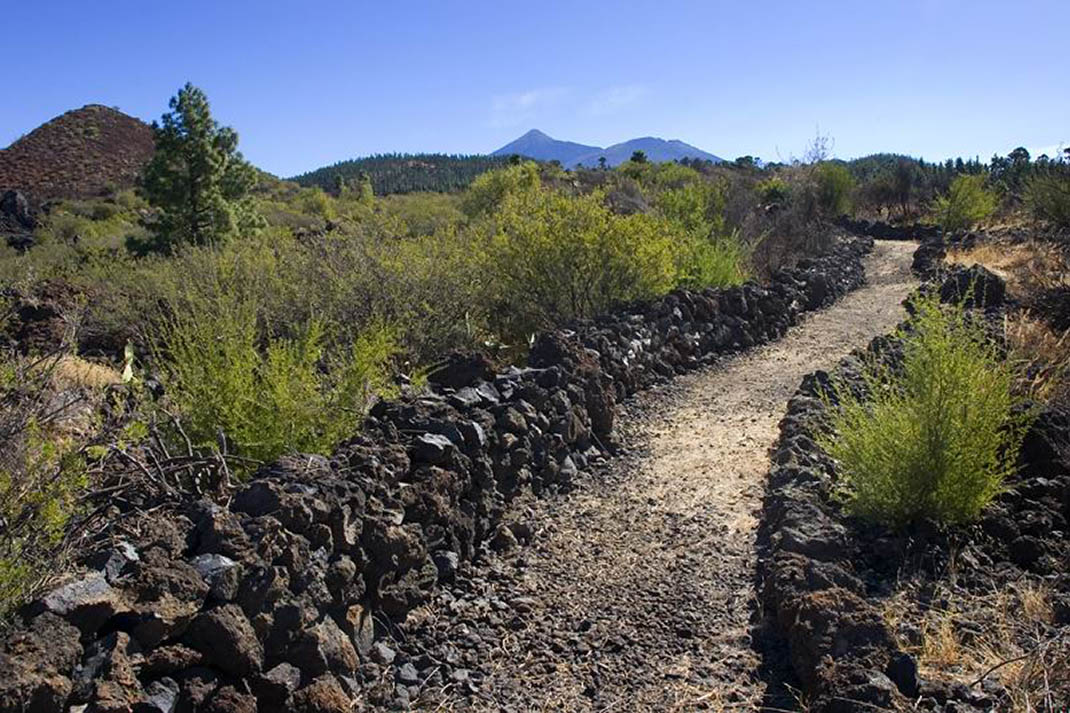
x=311, y=83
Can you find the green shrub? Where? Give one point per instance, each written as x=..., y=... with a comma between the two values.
x=1048, y=198
x=555, y=258
x=42, y=475
x=637, y=170
x=934, y=439
x=352, y=278
x=834, y=187
x=434, y=286
x=489, y=190
x=64, y=227
x=129, y=200
x=313, y=201
x=267, y=395
x=697, y=208
x=966, y=202
x=772, y=191
x=89, y=227
x=424, y=213
x=674, y=175
x=104, y=210
x=716, y=261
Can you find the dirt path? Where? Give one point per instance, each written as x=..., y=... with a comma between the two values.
x=637, y=593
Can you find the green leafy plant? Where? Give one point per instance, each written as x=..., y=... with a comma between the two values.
x=772, y=191
x=1048, y=197
x=715, y=261
x=489, y=190
x=834, y=187
x=934, y=438
x=42, y=475
x=314, y=201
x=555, y=258
x=697, y=208
x=966, y=202
x=260, y=395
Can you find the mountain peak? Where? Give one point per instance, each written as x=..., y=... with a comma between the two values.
x=537, y=145
x=541, y=147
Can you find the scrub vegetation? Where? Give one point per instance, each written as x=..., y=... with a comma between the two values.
x=936, y=436
x=254, y=317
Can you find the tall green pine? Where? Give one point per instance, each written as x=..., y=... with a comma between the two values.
x=197, y=179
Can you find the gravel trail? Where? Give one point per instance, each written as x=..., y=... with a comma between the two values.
x=637, y=591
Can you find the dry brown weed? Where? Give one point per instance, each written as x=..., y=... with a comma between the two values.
x=1026, y=267
x=1006, y=635
x=1043, y=355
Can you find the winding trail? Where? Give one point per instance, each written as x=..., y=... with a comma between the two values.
x=639, y=587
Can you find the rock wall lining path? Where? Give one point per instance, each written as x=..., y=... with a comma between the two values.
x=817, y=565
x=276, y=599
x=637, y=593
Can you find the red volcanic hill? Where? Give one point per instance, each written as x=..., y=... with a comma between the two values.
x=78, y=154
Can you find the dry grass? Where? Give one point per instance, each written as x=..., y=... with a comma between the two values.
x=70, y=372
x=1043, y=355
x=1029, y=269
x=941, y=646
x=1006, y=635
x=72, y=391
x=1025, y=266
x=1036, y=602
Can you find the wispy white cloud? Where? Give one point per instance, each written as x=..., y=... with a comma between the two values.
x=523, y=107
x=528, y=107
x=1052, y=151
x=614, y=99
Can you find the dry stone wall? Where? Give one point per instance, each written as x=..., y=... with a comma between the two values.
x=885, y=231
x=274, y=597
x=816, y=585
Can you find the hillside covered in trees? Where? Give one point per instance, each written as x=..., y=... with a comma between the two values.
x=403, y=173
x=904, y=187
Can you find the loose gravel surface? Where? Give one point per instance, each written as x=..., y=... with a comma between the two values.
x=637, y=589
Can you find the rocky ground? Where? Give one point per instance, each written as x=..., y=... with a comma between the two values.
x=284, y=593
x=952, y=618
x=636, y=591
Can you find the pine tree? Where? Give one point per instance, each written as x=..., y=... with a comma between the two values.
x=197, y=179
x=365, y=192
x=340, y=185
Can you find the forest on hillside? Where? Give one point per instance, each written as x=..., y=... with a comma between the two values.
x=403, y=173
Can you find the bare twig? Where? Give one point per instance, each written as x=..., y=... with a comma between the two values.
x=181, y=431
x=134, y=462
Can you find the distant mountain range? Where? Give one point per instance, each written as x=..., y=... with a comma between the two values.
x=89, y=151
x=537, y=145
